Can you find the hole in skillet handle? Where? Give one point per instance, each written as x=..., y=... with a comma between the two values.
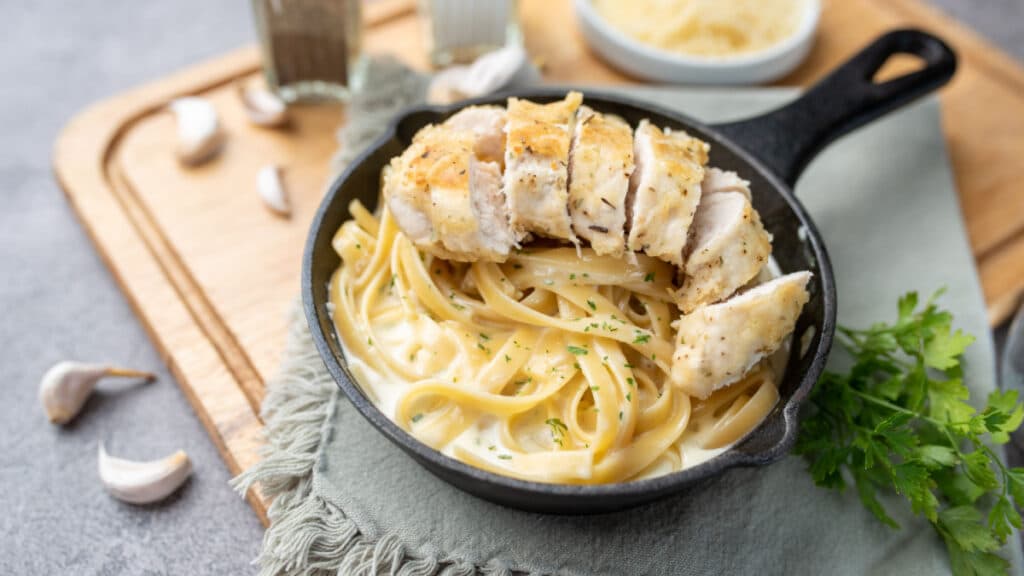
x=786, y=139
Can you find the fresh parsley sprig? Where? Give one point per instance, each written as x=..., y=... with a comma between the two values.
x=899, y=419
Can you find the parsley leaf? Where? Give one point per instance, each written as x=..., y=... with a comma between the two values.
x=900, y=420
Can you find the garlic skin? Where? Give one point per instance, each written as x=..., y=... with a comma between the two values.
x=67, y=385
x=502, y=68
x=199, y=133
x=143, y=482
x=271, y=189
x=263, y=107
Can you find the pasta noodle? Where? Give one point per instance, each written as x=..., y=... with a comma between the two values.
x=550, y=367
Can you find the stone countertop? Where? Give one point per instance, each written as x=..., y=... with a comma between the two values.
x=60, y=302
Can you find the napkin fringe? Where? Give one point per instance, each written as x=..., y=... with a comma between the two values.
x=309, y=536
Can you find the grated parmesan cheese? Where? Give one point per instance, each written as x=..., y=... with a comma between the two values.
x=705, y=27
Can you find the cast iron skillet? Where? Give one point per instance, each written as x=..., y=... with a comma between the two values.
x=769, y=150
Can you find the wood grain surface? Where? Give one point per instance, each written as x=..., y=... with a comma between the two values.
x=212, y=273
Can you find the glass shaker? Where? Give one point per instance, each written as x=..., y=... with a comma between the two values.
x=459, y=31
x=311, y=48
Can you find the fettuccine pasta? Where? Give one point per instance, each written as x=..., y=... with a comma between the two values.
x=550, y=367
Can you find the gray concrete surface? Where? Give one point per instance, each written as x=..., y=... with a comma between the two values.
x=58, y=301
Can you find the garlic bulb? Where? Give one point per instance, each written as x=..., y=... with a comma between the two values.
x=143, y=482
x=199, y=133
x=67, y=385
x=271, y=189
x=262, y=106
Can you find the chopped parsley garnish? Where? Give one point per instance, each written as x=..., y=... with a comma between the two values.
x=520, y=383
x=417, y=417
x=641, y=338
x=505, y=456
x=508, y=358
x=577, y=350
x=591, y=304
x=558, y=430
x=456, y=305
x=649, y=277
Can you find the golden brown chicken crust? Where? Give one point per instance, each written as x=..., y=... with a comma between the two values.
x=540, y=128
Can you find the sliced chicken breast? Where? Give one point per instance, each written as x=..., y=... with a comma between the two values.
x=487, y=123
x=664, y=192
x=716, y=180
x=727, y=248
x=719, y=343
x=600, y=163
x=448, y=201
x=536, y=166
x=408, y=195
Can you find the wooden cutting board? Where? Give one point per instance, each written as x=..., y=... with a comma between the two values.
x=212, y=273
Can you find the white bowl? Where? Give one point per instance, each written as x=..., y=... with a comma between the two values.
x=650, y=63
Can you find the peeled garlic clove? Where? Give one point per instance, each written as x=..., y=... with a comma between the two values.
x=262, y=106
x=143, y=482
x=199, y=134
x=67, y=385
x=271, y=190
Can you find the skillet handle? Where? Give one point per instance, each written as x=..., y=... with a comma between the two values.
x=787, y=138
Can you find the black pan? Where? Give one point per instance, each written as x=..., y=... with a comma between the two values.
x=769, y=150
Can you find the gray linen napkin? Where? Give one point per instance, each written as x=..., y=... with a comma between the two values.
x=348, y=502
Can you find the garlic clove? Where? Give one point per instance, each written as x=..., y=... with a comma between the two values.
x=271, y=190
x=143, y=482
x=67, y=385
x=199, y=133
x=263, y=107
x=509, y=66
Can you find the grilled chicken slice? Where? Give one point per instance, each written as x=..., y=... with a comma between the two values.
x=716, y=180
x=600, y=163
x=407, y=192
x=717, y=344
x=487, y=123
x=536, y=166
x=727, y=248
x=445, y=193
x=664, y=192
